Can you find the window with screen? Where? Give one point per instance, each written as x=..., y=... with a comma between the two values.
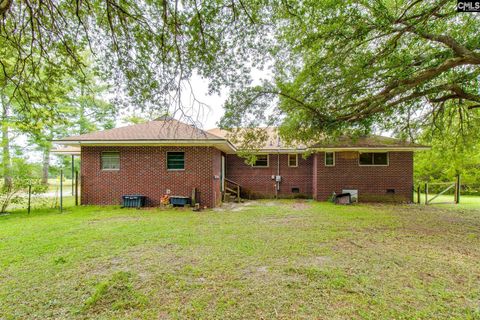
x=329, y=159
x=293, y=160
x=175, y=160
x=110, y=160
x=261, y=160
x=373, y=159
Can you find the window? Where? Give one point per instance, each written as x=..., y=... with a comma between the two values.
x=110, y=160
x=293, y=160
x=373, y=159
x=175, y=160
x=261, y=161
x=329, y=159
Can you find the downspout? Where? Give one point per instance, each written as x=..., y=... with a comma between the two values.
x=277, y=183
x=277, y=180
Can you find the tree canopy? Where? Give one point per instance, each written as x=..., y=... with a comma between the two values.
x=356, y=65
x=148, y=49
x=337, y=66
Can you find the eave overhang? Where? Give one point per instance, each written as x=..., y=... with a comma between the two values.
x=221, y=144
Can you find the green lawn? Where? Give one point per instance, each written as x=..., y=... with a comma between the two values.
x=466, y=201
x=262, y=260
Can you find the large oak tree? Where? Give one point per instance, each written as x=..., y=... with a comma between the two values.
x=343, y=66
x=337, y=65
x=148, y=49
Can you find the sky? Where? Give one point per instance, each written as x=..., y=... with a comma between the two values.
x=207, y=116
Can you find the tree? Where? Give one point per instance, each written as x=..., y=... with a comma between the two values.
x=455, y=151
x=22, y=181
x=149, y=49
x=6, y=158
x=350, y=66
x=337, y=65
x=83, y=110
x=30, y=106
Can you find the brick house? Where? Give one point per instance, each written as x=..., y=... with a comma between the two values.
x=166, y=156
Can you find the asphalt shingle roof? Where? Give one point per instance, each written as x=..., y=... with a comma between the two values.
x=168, y=129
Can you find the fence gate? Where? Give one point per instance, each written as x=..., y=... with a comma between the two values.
x=444, y=187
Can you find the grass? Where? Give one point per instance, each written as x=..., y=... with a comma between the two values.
x=466, y=201
x=263, y=260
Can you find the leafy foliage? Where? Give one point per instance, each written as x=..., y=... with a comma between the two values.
x=22, y=178
x=455, y=150
x=148, y=49
x=354, y=66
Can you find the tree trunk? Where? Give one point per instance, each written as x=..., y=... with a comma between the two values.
x=45, y=164
x=6, y=158
x=82, y=119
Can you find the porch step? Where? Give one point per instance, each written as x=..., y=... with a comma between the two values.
x=229, y=197
x=232, y=191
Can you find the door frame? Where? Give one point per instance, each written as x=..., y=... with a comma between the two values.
x=222, y=173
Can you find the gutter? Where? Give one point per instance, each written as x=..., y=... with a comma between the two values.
x=130, y=142
x=366, y=149
x=213, y=142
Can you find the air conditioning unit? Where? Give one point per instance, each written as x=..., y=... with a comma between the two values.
x=353, y=194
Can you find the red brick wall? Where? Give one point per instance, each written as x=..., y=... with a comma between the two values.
x=372, y=182
x=258, y=181
x=143, y=171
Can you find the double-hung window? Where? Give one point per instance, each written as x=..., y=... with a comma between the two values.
x=293, y=160
x=329, y=159
x=373, y=159
x=110, y=160
x=261, y=161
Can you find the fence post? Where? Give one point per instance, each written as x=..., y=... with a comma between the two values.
x=61, y=190
x=457, y=190
x=426, y=193
x=73, y=170
x=418, y=194
x=76, y=188
x=29, y=196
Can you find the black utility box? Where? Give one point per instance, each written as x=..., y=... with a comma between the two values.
x=179, y=201
x=133, y=201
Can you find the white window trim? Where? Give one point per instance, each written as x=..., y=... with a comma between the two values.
x=109, y=169
x=325, y=159
x=268, y=162
x=374, y=165
x=296, y=160
x=166, y=161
